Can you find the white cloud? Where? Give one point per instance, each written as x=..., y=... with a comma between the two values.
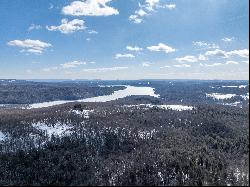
x=96, y=70
x=146, y=64
x=165, y=67
x=117, y=56
x=147, y=8
x=92, y=32
x=187, y=59
x=247, y=61
x=182, y=65
x=242, y=53
x=211, y=65
x=161, y=47
x=217, y=53
x=227, y=39
x=34, y=27
x=220, y=53
x=169, y=6
x=231, y=62
x=202, y=58
x=90, y=8
x=72, y=64
x=191, y=58
x=205, y=45
x=135, y=48
x=151, y=4
x=30, y=46
x=135, y=18
x=141, y=12
x=67, y=27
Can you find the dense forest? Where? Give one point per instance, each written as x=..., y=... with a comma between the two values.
x=131, y=141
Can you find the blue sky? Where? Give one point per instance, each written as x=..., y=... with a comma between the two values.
x=124, y=39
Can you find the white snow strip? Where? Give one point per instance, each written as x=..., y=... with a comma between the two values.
x=220, y=96
x=48, y=104
x=176, y=107
x=166, y=107
x=229, y=86
x=240, y=86
x=237, y=103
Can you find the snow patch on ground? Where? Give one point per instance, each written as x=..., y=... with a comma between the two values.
x=58, y=129
x=231, y=86
x=2, y=136
x=245, y=97
x=83, y=113
x=220, y=96
x=243, y=86
x=237, y=103
x=165, y=107
x=146, y=134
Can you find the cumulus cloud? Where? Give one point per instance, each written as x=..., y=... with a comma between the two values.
x=90, y=8
x=30, y=46
x=242, y=53
x=182, y=65
x=73, y=64
x=96, y=70
x=135, y=48
x=67, y=27
x=161, y=47
x=117, y=56
x=217, y=53
x=191, y=58
x=220, y=53
x=34, y=27
x=202, y=57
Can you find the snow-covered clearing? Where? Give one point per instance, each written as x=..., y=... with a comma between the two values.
x=58, y=129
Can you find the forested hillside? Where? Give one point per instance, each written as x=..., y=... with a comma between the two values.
x=116, y=143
